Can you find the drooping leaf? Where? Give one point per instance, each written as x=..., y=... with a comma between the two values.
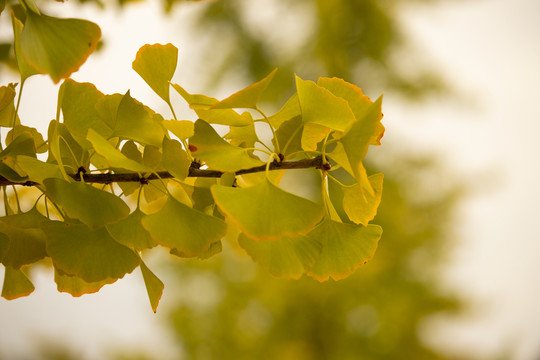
x=76, y=286
x=345, y=247
x=26, y=240
x=25, y=69
x=266, y=212
x=156, y=64
x=320, y=106
x=247, y=97
x=16, y=284
x=360, y=204
x=21, y=145
x=175, y=159
x=185, y=229
x=217, y=153
x=183, y=129
x=92, y=255
x=135, y=122
x=7, y=106
x=154, y=286
x=287, y=257
x=357, y=139
x=86, y=203
x=130, y=232
x=55, y=46
x=114, y=157
x=201, y=105
x=39, y=144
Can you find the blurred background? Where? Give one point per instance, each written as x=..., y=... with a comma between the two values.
x=455, y=275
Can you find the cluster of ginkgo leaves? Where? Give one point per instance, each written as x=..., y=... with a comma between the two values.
x=114, y=178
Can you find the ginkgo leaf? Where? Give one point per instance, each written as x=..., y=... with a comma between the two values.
x=154, y=286
x=16, y=284
x=55, y=46
x=289, y=135
x=320, y=106
x=113, y=156
x=134, y=121
x=290, y=110
x=25, y=69
x=345, y=247
x=175, y=159
x=247, y=97
x=312, y=135
x=180, y=227
x=359, y=203
x=183, y=129
x=217, y=153
x=92, y=255
x=242, y=136
x=75, y=286
x=266, y=212
x=358, y=102
x=201, y=105
x=357, y=139
x=130, y=232
x=287, y=257
x=86, y=203
x=7, y=106
x=131, y=151
x=39, y=144
x=26, y=240
x=156, y=64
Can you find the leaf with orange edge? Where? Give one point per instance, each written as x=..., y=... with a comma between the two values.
x=154, y=286
x=16, y=284
x=266, y=212
x=25, y=69
x=345, y=247
x=75, y=286
x=312, y=135
x=55, y=46
x=361, y=205
x=247, y=97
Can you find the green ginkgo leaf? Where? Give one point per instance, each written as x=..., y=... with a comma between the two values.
x=247, y=97
x=290, y=110
x=357, y=139
x=92, y=255
x=154, y=286
x=25, y=69
x=16, y=284
x=175, y=159
x=183, y=129
x=75, y=286
x=312, y=135
x=156, y=64
x=201, y=105
x=26, y=240
x=136, y=122
x=55, y=46
x=360, y=203
x=217, y=153
x=287, y=257
x=130, y=232
x=320, y=106
x=242, y=136
x=7, y=106
x=185, y=229
x=86, y=203
x=39, y=144
x=345, y=247
x=289, y=135
x=266, y=212
x=113, y=156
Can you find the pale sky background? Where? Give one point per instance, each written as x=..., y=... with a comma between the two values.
x=490, y=53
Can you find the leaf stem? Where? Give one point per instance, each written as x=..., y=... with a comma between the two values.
x=271, y=127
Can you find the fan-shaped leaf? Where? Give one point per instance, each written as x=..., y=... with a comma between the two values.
x=345, y=247
x=185, y=229
x=25, y=69
x=156, y=64
x=247, y=97
x=312, y=135
x=266, y=212
x=86, y=203
x=130, y=232
x=175, y=159
x=91, y=255
x=75, y=286
x=359, y=203
x=57, y=47
x=183, y=129
x=217, y=153
x=16, y=284
x=287, y=257
x=154, y=286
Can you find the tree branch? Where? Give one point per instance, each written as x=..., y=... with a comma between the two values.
x=110, y=178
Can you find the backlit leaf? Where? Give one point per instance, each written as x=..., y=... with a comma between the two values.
x=312, y=135
x=360, y=204
x=266, y=212
x=320, y=106
x=7, y=106
x=92, y=255
x=182, y=129
x=345, y=247
x=290, y=110
x=130, y=232
x=25, y=69
x=185, y=229
x=217, y=153
x=154, y=286
x=247, y=97
x=86, y=203
x=175, y=159
x=75, y=286
x=16, y=284
x=156, y=64
x=287, y=257
x=55, y=46
x=39, y=144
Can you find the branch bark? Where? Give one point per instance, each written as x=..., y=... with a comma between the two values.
x=110, y=178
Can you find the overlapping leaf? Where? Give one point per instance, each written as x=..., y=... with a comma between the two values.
x=76, y=286
x=16, y=284
x=130, y=232
x=175, y=159
x=266, y=212
x=154, y=286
